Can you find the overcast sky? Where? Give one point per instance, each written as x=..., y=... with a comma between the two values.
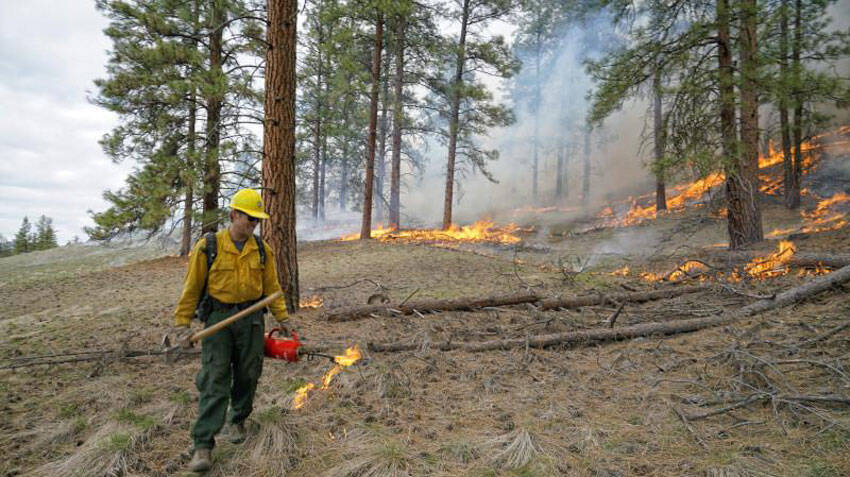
x=50, y=160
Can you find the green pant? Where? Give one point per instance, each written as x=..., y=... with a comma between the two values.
x=231, y=363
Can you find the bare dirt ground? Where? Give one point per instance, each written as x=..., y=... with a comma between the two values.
x=636, y=407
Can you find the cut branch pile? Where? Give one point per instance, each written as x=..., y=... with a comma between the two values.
x=476, y=303
x=586, y=337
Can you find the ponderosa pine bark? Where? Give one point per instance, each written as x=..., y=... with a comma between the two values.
x=186, y=239
x=790, y=184
x=381, y=169
x=743, y=221
x=796, y=72
x=660, y=138
x=454, y=117
x=585, y=176
x=537, y=98
x=369, y=179
x=398, y=118
x=279, y=145
x=745, y=226
x=214, y=102
x=560, y=189
x=317, y=127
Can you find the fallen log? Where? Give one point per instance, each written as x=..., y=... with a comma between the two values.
x=586, y=337
x=633, y=297
x=800, y=259
x=459, y=304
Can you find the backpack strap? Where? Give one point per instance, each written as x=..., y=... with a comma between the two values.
x=204, y=306
x=261, y=248
x=212, y=251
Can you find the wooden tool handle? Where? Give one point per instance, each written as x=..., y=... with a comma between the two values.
x=227, y=322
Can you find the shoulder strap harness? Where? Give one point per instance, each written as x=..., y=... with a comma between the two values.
x=211, y=251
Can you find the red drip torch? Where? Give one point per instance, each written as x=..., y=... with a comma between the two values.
x=282, y=348
x=288, y=348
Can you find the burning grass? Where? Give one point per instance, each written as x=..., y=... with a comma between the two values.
x=350, y=357
x=312, y=302
x=826, y=216
x=481, y=231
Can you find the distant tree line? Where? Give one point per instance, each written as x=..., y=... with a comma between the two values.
x=29, y=240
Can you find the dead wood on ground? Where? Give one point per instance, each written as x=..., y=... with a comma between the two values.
x=800, y=259
x=586, y=337
x=474, y=303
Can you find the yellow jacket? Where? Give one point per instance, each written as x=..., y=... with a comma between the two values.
x=235, y=277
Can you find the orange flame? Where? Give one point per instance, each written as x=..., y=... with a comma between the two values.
x=681, y=272
x=774, y=264
x=314, y=302
x=351, y=356
x=683, y=195
x=621, y=272
x=481, y=231
x=823, y=219
x=301, y=395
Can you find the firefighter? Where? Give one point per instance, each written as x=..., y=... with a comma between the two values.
x=242, y=271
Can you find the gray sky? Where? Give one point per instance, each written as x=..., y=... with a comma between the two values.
x=50, y=161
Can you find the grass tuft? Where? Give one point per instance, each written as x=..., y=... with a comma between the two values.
x=514, y=449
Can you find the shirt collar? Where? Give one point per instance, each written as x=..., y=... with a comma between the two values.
x=229, y=246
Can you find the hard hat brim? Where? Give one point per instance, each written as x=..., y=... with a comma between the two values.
x=252, y=213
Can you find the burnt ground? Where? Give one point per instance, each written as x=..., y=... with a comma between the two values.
x=624, y=408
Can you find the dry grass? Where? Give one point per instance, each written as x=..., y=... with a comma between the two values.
x=599, y=411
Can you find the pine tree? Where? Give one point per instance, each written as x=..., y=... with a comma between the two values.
x=279, y=192
x=22, y=242
x=171, y=60
x=7, y=247
x=536, y=46
x=802, y=50
x=705, y=104
x=45, y=235
x=465, y=55
x=369, y=177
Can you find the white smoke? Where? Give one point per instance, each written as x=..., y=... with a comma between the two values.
x=617, y=164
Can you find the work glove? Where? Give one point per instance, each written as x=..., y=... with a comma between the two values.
x=182, y=335
x=285, y=330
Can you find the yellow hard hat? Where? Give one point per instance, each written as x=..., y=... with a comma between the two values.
x=250, y=202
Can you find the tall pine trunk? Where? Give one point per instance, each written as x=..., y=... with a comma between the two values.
x=343, y=176
x=585, y=181
x=560, y=186
x=186, y=241
x=660, y=139
x=561, y=189
x=791, y=186
x=369, y=179
x=322, y=177
x=454, y=118
x=317, y=130
x=535, y=167
x=381, y=172
x=279, y=145
x=398, y=117
x=214, y=101
x=744, y=215
x=796, y=68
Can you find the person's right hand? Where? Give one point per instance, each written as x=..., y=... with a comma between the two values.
x=182, y=335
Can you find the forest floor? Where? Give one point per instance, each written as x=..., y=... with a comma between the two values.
x=633, y=407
